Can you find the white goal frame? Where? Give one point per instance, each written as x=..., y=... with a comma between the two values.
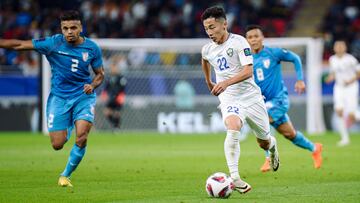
x=314, y=47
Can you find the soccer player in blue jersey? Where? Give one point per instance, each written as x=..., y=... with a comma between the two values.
x=267, y=72
x=72, y=99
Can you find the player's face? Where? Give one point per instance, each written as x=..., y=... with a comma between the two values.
x=339, y=47
x=71, y=30
x=215, y=29
x=255, y=38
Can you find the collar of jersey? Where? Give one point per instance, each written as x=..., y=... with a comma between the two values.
x=67, y=44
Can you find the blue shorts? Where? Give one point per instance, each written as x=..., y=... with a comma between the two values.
x=277, y=109
x=62, y=113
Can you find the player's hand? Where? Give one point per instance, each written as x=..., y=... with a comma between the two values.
x=210, y=85
x=300, y=86
x=219, y=88
x=88, y=89
x=349, y=82
x=329, y=78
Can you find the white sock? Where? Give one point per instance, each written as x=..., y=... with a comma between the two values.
x=342, y=129
x=272, y=144
x=232, y=152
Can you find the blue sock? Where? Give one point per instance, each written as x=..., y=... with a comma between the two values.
x=301, y=141
x=267, y=153
x=75, y=157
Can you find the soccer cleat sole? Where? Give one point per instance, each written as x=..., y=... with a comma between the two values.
x=243, y=190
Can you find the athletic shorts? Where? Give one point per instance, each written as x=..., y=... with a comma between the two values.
x=346, y=98
x=277, y=109
x=255, y=115
x=62, y=113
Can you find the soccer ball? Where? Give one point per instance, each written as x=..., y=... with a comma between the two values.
x=219, y=185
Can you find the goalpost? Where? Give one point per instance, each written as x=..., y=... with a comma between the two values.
x=166, y=91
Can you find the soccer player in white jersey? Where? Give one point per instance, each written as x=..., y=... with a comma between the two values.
x=240, y=98
x=345, y=70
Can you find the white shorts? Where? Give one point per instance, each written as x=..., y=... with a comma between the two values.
x=346, y=98
x=255, y=115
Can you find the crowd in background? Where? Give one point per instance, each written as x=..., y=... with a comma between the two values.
x=342, y=21
x=26, y=19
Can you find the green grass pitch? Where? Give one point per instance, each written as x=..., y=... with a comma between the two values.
x=150, y=167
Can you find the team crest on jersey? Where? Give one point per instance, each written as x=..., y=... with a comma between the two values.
x=266, y=63
x=85, y=56
x=230, y=52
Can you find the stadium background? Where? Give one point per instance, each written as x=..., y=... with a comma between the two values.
x=167, y=74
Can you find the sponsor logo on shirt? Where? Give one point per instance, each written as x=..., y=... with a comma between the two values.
x=247, y=52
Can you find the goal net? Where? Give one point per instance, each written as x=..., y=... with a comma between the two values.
x=166, y=90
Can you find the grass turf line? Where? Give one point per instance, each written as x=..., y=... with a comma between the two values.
x=152, y=167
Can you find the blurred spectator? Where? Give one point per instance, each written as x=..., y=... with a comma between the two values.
x=114, y=94
x=342, y=21
x=25, y=19
x=29, y=65
x=128, y=15
x=184, y=93
x=136, y=57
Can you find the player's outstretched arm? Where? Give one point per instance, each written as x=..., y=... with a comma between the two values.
x=16, y=44
x=98, y=79
x=286, y=55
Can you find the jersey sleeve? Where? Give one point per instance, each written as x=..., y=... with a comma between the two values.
x=357, y=67
x=44, y=45
x=97, y=60
x=355, y=63
x=289, y=56
x=204, y=51
x=244, y=52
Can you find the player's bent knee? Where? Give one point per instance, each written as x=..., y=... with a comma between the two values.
x=58, y=139
x=233, y=123
x=264, y=144
x=289, y=135
x=57, y=146
x=81, y=140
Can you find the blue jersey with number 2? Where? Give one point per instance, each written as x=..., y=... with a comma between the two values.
x=267, y=70
x=69, y=64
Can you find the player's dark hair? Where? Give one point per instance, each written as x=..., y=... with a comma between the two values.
x=341, y=40
x=253, y=27
x=70, y=15
x=216, y=12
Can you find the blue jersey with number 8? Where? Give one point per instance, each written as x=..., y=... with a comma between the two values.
x=69, y=64
x=267, y=70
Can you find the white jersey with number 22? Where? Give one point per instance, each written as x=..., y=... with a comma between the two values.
x=228, y=60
